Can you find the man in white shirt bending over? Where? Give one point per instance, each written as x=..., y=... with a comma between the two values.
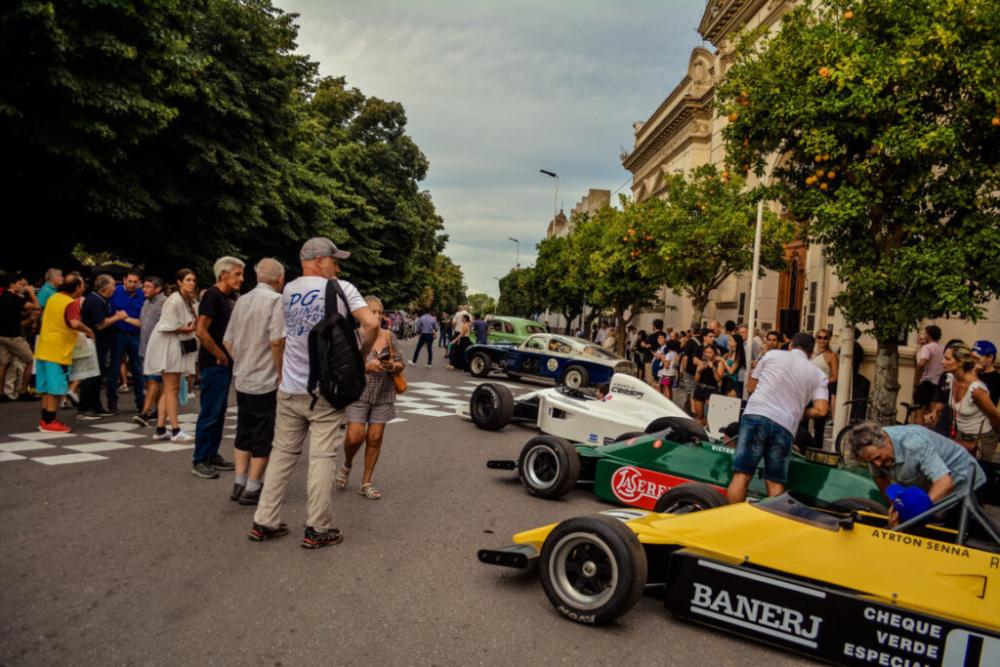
x=304, y=301
x=781, y=386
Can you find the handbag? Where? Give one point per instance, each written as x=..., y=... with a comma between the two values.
x=398, y=379
x=189, y=345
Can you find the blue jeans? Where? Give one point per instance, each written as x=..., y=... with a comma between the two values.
x=212, y=414
x=428, y=340
x=762, y=438
x=125, y=342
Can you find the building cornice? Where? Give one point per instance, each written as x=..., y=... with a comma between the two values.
x=686, y=109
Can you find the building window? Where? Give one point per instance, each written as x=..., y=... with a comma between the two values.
x=813, y=297
x=741, y=311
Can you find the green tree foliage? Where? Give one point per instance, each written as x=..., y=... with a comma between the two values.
x=519, y=293
x=560, y=286
x=887, y=118
x=703, y=231
x=446, y=286
x=482, y=304
x=169, y=133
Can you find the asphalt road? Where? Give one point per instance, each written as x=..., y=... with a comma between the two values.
x=129, y=559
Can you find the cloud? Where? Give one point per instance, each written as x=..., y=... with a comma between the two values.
x=495, y=91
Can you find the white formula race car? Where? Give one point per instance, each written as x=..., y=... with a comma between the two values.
x=630, y=407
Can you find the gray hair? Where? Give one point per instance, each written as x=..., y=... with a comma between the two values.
x=863, y=436
x=103, y=281
x=374, y=300
x=225, y=265
x=269, y=270
x=52, y=274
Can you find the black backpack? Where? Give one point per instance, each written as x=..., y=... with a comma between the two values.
x=336, y=369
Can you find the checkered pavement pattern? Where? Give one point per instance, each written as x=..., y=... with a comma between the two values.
x=100, y=441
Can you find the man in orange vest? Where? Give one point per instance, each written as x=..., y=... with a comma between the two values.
x=54, y=350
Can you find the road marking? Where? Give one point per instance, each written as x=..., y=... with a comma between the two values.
x=69, y=458
x=24, y=446
x=39, y=435
x=117, y=426
x=115, y=436
x=10, y=456
x=166, y=447
x=92, y=447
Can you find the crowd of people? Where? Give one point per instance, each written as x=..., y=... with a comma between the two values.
x=71, y=336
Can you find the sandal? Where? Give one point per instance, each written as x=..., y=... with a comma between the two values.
x=370, y=492
x=340, y=478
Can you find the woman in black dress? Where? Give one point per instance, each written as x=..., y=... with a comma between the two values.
x=708, y=376
x=461, y=343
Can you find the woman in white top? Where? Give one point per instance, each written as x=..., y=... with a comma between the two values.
x=827, y=361
x=172, y=353
x=975, y=420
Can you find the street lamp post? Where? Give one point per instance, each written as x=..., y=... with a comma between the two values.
x=555, y=201
x=517, y=246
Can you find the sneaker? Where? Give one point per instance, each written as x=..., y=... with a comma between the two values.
x=123, y=389
x=105, y=413
x=53, y=427
x=73, y=397
x=203, y=470
x=428, y=365
x=142, y=419
x=220, y=463
x=260, y=533
x=250, y=497
x=314, y=539
x=88, y=416
x=161, y=436
x=181, y=436
x=65, y=404
x=237, y=492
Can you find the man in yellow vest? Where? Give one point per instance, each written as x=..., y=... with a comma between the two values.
x=54, y=350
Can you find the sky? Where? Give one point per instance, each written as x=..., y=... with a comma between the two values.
x=495, y=91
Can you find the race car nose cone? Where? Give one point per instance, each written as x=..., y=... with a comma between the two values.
x=589, y=569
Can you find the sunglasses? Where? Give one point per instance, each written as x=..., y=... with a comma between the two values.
x=822, y=338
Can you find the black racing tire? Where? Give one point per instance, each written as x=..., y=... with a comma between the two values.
x=480, y=364
x=628, y=436
x=687, y=498
x=858, y=504
x=575, y=377
x=491, y=406
x=593, y=569
x=549, y=467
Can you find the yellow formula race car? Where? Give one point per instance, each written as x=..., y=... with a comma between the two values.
x=843, y=588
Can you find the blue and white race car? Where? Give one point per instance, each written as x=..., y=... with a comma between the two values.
x=569, y=361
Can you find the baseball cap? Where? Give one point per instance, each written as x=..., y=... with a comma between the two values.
x=319, y=246
x=985, y=348
x=909, y=501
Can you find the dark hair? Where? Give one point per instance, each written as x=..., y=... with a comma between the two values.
x=10, y=279
x=71, y=284
x=953, y=342
x=776, y=334
x=134, y=272
x=604, y=388
x=657, y=323
x=804, y=341
x=182, y=274
x=730, y=325
x=706, y=331
x=156, y=280
x=673, y=345
x=738, y=345
x=933, y=332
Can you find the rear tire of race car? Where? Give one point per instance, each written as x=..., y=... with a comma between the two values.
x=491, y=406
x=593, y=569
x=858, y=504
x=687, y=498
x=576, y=377
x=480, y=365
x=549, y=467
x=628, y=436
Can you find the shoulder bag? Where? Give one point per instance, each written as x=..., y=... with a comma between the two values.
x=398, y=379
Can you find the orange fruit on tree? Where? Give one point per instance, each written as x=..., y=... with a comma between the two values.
x=744, y=93
x=826, y=157
x=820, y=172
x=733, y=117
x=824, y=72
x=810, y=180
x=823, y=186
x=996, y=121
x=818, y=159
x=831, y=175
x=848, y=15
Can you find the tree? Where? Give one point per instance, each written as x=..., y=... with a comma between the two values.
x=560, y=287
x=625, y=272
x=519, y=294
x=703, y=229
x=446, y=286
x=887, y=118
x=482, y=304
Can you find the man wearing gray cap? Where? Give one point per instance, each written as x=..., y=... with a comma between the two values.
x=304, y=302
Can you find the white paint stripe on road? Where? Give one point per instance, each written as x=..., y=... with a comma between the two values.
x=39, y=435
x=24, y=446
x=166, y=447
x=92, y=447
x=69, y=458
x=9, y=456
x=115, y=436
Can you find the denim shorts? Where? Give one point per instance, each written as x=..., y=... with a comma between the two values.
x=762, y=438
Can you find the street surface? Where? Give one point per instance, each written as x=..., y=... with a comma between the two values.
x=113, y=553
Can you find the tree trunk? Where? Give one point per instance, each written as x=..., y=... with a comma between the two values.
x=700, y=304
x=588, y=321
x=569, y=316
x=620, y=330
x=883, y=407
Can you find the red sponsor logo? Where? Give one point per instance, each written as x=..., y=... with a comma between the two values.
x=638, y=487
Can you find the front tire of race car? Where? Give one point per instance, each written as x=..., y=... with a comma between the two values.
x=549, y=467
x=480, y=365
x=593, y=569
x=687, y=498
x=576, y=377
x=491, y=406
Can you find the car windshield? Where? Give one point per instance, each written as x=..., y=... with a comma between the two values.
x=590, y=350
x=534, y=328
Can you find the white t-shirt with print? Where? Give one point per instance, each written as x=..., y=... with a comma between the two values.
x=304, y=301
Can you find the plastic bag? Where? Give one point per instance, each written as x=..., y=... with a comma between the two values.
x=85, y=363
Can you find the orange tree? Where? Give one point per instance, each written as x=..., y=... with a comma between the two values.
x=702, y=230
x=886, y=115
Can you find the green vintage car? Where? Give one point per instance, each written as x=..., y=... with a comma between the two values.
x=673, y=463
x=512, y=330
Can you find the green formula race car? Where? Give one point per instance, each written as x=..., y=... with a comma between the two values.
x=654, y=471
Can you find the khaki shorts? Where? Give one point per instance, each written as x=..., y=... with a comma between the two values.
x=363, y=412
x=17, y=347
